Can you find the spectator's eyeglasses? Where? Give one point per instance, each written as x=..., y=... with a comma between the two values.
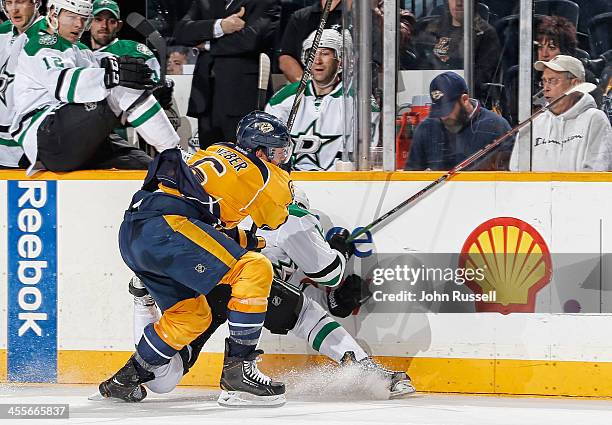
x=551, y=81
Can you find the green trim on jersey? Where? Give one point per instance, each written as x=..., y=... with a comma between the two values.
x=73, y=82
x=128, y=48
x=297, y=211
x=287, y=91
x=9, y=142
x=6, y=27
x=81, y=46
x=36, y=116
x=46, y=41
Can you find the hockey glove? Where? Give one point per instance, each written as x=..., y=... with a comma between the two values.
x=163, y=93
x=351, y=294
x=128, y=72
x=339, y=243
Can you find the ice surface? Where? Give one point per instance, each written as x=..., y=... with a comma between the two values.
x=324, y=403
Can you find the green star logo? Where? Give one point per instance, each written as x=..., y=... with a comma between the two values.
x=308, y=145
x=6, y=79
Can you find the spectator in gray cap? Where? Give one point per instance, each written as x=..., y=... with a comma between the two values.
x=573, y=135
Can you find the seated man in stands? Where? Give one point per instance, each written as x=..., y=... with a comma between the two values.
x=456, y=128
x=441, y=46
x=574, y=135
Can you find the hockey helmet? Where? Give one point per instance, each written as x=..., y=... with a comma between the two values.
x=258, y=130
x=330, y=39
x=80, y=7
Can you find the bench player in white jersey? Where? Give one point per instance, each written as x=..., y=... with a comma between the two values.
x=22, y=19
x=299, y=243
x=318, y=129
x=69, y=104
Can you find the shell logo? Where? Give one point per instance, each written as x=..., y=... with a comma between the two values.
x=515, y=260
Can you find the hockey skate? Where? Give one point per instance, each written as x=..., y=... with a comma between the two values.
x=244, y=385
x=399, y=382
x=126, y=384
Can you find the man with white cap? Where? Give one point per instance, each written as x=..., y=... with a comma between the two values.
x=573, y=135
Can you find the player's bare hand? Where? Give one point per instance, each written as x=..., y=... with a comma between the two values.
x=233, y=22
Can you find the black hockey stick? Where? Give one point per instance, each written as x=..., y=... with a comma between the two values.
x=264, y=78
x=146, y=29
x=580, y=88
x=307, y=70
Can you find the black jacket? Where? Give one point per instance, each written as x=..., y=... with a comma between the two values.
x=230, y=70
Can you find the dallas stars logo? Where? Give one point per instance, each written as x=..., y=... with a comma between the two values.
x=6, y=79
x=309, y=145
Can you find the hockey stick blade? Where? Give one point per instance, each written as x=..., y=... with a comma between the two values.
x=145, y=28
x=140, y=24
x=264, y=78
x=579, y=88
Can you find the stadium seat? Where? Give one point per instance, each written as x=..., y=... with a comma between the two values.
x=600, y=34
x=565, y=8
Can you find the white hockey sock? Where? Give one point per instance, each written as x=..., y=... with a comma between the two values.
x=324, y=334
x=148, y=118
x=144, y=313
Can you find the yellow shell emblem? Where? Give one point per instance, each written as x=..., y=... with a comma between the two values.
x=515, y=260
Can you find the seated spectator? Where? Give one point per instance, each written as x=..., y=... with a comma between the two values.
x=573, y=135
x=300, y=25
x=607, y=100
x=318, y=130
x=556, y=35
x=175, y=63
x=441, y=46
x=456, y=127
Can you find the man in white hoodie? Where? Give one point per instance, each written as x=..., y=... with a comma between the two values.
x=573, y=135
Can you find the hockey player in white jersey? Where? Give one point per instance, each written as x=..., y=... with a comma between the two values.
x=69, y=104
x=299, y=243
x=22, y=19
x=318, y=129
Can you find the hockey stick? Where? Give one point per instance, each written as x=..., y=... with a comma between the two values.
x=580, y=88
x=146, y=29
x=307, y=70
x=264, y=78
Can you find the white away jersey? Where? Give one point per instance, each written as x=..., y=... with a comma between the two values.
x=318, y=130
x=130, y=48
x=11, y=44
x=299, y=243
x=51, y=72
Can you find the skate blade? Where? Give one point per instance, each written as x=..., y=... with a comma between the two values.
x=97, y=397
x=242, y=399
x=402, y=389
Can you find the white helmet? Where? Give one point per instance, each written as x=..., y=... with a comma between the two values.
x=81, y=7
x=300, y=198
x=330, y=39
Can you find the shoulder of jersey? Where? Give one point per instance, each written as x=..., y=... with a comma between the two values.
x=287, y=91
x=130, y=48
x=44, y=40
x=81, y=46
x=6, y=27
x=299, y=212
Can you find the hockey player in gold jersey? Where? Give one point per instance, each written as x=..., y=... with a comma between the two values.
x=179, y=236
